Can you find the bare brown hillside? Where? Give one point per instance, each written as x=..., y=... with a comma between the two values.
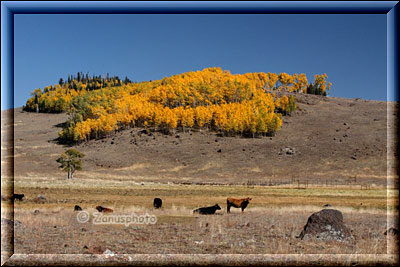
x=326, y=139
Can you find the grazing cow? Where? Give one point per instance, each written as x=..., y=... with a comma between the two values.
x=207, y=210
x=18, y=196
x=103, y=209
x=77, y=208
x=157, y=203
x=237, y=203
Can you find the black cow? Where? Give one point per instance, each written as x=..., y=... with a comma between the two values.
x=77, y=208
x=207, y=210
x=157, y=203
x=18, y=196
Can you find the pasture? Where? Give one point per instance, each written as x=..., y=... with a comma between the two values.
x=269, y=225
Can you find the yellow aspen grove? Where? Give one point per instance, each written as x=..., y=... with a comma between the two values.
x=321, y=84
x=170, y=120
x=277, y=103
x=285, y=80
x=272, y=80
x=212, y=98
x=203, y=116
x=284, y=102
x=300, y=83
x=186, y=117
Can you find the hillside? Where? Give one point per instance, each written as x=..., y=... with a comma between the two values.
x=332, y=139
x=250, y=104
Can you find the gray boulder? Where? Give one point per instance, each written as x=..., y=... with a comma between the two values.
x=326, y=224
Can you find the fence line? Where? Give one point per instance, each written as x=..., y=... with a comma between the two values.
x=295, y=183
x=304, y=183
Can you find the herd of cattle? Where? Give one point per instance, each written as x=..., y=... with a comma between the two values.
x=157, y=203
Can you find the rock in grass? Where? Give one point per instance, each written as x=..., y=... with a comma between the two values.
x=326, y=224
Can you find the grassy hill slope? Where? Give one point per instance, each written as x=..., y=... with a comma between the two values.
x=326, y=139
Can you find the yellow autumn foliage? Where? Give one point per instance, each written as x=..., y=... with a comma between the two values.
x=208, y=99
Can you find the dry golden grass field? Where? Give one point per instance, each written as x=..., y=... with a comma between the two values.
x=270, y=225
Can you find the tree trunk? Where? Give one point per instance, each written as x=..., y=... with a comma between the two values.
x=69, y=174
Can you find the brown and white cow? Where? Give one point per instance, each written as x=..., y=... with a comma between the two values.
x=237, y=203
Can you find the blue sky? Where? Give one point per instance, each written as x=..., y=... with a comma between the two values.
x=351, y=49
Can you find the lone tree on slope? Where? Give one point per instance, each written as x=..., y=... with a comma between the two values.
x=70, y=161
